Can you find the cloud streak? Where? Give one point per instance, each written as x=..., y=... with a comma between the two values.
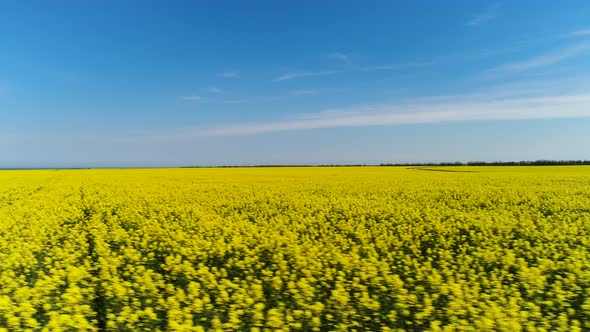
x=419, y=111
x=229, y=74
x=583, y=32
x=489, y=14
x=190, y=98
x=303, y=92
x=293, y=75
x=214, y=89
x=395, y=66
x=234, y=101
x=544, y=59
x=339, y=56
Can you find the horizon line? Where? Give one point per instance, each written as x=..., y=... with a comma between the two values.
x=538, y=162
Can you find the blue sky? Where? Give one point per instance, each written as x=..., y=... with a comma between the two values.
x=172, y=83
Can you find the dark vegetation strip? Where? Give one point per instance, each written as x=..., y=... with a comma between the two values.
x=470, y=163
x=439, y=170
x=500, y=163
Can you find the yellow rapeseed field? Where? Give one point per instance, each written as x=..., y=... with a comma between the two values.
x=296, y=249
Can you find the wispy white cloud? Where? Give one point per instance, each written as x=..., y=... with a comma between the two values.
x=303, y=92
x=487, y=15
x=293, y=75
x=214, y=89
x=394, y=66
x=582, y=32
x=339, y=56
x=544, y=59
x=229, y=74
x=468, y=107
x=190, y=98
x=528, y=88
x=234, y=101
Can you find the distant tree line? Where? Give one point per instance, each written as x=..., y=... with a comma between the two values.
x=498, y=163
x=457, y=163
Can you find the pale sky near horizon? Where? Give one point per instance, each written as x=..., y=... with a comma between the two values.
x=178, y=83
